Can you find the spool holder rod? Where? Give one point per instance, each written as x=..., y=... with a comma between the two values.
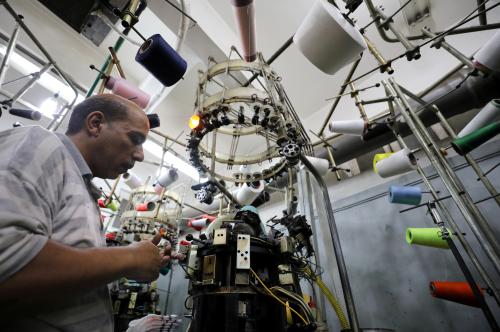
x=474, y=218
x=465, y=270
x=337, y=99
x=453, y=225
x=449, y=130
x=344, y=278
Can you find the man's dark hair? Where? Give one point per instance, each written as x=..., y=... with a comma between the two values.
x=110, y=105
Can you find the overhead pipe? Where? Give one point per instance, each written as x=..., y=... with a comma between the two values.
x=245, y=17
x=475, y=92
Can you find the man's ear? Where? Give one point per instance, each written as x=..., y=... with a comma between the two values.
x=94, y=123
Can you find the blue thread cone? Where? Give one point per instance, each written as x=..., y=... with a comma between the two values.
x=405, y=195
x=161, y=60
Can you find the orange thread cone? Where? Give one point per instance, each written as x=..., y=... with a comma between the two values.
x=454, y=291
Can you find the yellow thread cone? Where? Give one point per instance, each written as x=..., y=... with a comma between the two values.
x=430, y=237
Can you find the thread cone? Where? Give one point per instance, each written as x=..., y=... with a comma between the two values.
x=430, y=237
x=454, y=291
x=464, y=145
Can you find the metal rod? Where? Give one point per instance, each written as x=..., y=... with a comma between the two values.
x=195, y=208
x=224, y=191
x=447, y=127
x=357, y=100
x=474, y=218
x=30, y=83
x=413, y=52
x=332, y=161
x=455, y=228
x=491, y=169
x=47, y=55
x=341, y=91
x=344, y=278
x=272, y=58
x=116, y=61
x=453, y=51
x=465, y=270
x=482, y=7
x=385, y=37
x=376, y=101
x=8, y=52
x=168, y=137
x=113, y=193
x=108, y=199
x=384, y=65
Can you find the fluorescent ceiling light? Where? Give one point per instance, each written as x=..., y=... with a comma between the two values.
x=170, y=158
x=48, y=81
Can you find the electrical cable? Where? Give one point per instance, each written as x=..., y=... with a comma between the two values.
x=277, y=298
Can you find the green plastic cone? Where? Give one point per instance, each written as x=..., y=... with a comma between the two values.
x=464, y=145
x=113, y=206
x=430, y=237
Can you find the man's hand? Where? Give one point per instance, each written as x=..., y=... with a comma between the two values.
x=146, y=260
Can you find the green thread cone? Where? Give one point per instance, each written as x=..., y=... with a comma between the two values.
x=430, y=237
x=464, y=145
x=113, y=206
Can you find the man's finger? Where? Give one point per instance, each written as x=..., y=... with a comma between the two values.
x=156, y=239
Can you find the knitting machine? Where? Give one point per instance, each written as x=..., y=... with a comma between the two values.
x=244, y=279
x=231, y=113
x=148, y=213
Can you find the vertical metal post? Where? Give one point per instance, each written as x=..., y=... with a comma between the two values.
x=8, y=52
x=446, y=125
x=465, y=270
x=344, y=279
x=455, y=228
x=474, y=218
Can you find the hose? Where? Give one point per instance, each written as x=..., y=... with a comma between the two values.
x=344, y=323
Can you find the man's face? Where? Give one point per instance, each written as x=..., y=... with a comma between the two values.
x=120, y=145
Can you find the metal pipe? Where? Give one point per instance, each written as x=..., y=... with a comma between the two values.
x=465, y=270
x=168, y=137
x=372, y=10
x=455, y=228
x=47, y=55
x=474, y=93
x=447, y=127
x=385, y=66
x=8, y=52
x=376, y=101
x=341, y=91
x=413, y=52
x=30, y=83
x=224, y=191
x=344, y=279
x=481, y=6
x=271, y=59
x=474, y=219
x=440, y=42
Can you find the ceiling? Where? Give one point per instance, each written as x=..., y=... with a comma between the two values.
x=213, y=35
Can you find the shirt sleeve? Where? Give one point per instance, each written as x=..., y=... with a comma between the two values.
x=25, y=223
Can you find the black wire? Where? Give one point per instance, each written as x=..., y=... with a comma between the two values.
x=466, y=19
x=182, y=12
x=388, y=18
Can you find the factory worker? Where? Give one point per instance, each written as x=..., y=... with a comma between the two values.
x=54, y=269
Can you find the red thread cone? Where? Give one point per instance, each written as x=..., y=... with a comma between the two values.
x=454, y=291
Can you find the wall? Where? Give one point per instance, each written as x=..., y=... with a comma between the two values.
x=389, y=278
